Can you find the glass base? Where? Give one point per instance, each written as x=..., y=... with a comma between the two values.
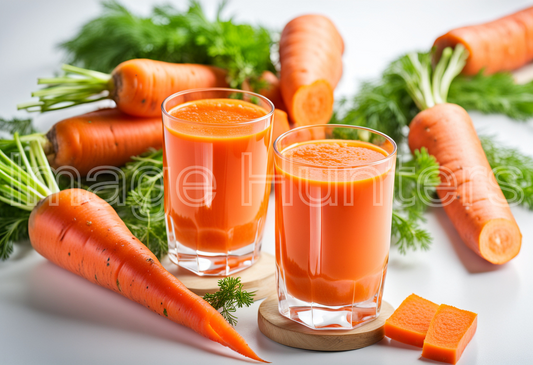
x=208, y=264
x=212, y=264
x=324, y=317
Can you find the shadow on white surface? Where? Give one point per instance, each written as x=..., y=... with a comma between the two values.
x=471, y=261
x=58, y=292
x=395, y=344
x=21, y=251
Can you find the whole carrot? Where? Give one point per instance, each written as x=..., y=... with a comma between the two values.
x=80, y=232
x=106, y=137
x=137, y=86
x=311, y=51
x=470, y=194
x=469, y=191
x=504, y=44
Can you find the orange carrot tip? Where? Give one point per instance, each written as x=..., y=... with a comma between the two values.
x=449, y=333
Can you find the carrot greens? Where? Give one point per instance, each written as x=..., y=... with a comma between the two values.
x=230, y=297
x=25, y=179
x=172, y=35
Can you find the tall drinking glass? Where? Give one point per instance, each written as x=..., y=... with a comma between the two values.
x=218, y=167
x=334, y=194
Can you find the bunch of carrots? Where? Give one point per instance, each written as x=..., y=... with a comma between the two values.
x=80, y=232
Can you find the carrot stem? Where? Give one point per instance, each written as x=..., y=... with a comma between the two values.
x=43, y=164
x=33, y=162
x=438, y=73
x=456, y=65
x=77, y=86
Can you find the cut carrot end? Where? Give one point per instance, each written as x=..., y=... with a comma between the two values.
x=500, y=241
x=313, y=104
x=410, y=321
x=449, y=333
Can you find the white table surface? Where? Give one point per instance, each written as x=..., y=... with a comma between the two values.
x=50, y=316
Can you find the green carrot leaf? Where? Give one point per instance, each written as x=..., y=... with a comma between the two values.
x=230, y=297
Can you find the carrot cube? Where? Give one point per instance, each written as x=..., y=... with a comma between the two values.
x=449, y=332
x=410, y=322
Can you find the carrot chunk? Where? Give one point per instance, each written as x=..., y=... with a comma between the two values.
x=449, y=332
x=410, y=322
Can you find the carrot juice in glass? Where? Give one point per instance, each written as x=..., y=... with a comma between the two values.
x=217, y=171
x=334, y=194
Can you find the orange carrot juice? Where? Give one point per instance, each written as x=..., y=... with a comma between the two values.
x=217, y=165
x=333, y=226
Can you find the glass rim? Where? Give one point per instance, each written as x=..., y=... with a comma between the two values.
x=373, y=163
x=269, y=114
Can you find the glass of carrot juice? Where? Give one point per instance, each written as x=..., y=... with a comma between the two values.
x=217, y=173
x=334, y=194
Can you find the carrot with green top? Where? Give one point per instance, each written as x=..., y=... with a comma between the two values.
x=137, y=86
x=469, y=191
x=80, y=232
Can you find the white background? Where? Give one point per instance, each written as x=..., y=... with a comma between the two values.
x=50, y=316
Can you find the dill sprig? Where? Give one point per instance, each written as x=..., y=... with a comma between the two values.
x=230, y=297
x=17, y=125
x=513, y=171
x=171, y=35
x=493, y=94
x=13, y=228
x=414, y=188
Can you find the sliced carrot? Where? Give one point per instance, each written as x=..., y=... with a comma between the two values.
x=504, y=44
x=80, y=232
x=449, y=333
x=311, y=51
x=410, y=321
x=469, y=191
x=106, y=137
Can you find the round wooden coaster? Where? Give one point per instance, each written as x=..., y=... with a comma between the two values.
x=289, y=333
x=260, y=277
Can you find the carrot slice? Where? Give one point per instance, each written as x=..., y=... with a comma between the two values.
x=449, y=333
x=410, y=321
x=312, y=104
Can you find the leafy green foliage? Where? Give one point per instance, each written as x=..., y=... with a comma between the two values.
x=17, y=125
x=13, y=228
x=173, y=36
x=230, y=297
x=513, y=171
x=493, y=94
x=383, y=105
x=414, y=187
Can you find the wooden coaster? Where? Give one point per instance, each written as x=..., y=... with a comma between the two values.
x=260, y=277
x=289, y=333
